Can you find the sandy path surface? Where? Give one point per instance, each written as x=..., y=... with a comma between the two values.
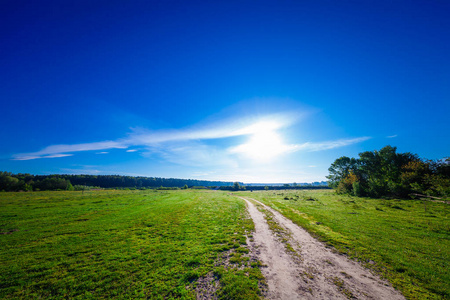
x=314, y=272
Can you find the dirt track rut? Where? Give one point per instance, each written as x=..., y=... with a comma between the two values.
x=312, y=271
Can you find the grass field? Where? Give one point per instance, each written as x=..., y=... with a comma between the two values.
x=406, y=241
x=165, y=244
x=123, y=244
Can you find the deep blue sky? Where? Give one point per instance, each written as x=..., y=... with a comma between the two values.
x=175, y=88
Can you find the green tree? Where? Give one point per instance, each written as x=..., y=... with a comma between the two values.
x=54, y=183
x=8, y=182
x=438, y=185
x=340, y=169
x=346, y=184
x=413, y=177
x=380, y=171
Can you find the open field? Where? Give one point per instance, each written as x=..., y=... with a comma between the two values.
x=404, y=240
x=188, y=244
x=124, y=244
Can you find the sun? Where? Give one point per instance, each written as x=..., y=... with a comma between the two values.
x=263, y=145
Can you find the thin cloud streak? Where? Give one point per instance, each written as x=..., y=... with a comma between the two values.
x=227, y=128
x=164, y=142
x=57, y=155
x=250, y=150
x=194, y=154
x=328, y=145
x=56, y=151
x=30, y=157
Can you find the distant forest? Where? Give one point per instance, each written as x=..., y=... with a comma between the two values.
x=10, y=182
x=28, y=182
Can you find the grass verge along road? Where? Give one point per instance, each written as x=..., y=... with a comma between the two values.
x=405, y=241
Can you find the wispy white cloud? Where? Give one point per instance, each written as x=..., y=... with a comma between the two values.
x=190, y=146
x=193, y=154
x=62, y=150
x=30, y=156
x=263, y=148
x=328, y=145
x=392, y=136
x=225, y=128
x=57, y=155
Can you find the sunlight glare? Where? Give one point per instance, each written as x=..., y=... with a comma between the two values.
x=263, y=145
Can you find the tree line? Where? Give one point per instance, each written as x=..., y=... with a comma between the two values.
x=29, y=182
x=388, y=173
x=238, y=187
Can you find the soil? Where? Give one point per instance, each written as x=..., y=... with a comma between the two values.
x=300, y=267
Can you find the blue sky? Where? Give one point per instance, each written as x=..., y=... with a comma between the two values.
x=254, y=91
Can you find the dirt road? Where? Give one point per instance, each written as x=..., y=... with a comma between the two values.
x=300, y=267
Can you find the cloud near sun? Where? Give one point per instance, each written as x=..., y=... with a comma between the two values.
x=263, y=143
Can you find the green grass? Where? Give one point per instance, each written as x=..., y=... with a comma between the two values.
x=121, y=244
x=157, y=244
x=401, y=239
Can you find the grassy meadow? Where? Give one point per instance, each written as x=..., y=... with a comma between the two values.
x=176, y=244
x=124, y=244
x=406, y=241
